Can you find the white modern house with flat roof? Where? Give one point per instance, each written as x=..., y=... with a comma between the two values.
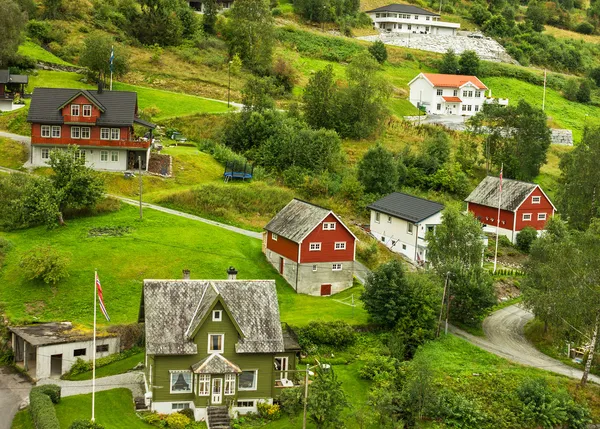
x=450, y=94
x=400, y=221
x=405, y=18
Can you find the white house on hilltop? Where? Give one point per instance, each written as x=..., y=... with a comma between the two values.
x=404, y=18
x=450, y=94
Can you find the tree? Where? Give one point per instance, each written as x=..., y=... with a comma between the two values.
x=378, y=51
x=469, y=63
x=326, y=399
x=584, y=93
x=209, y=19
x=161, y=22
x=517, y=137
x=318, y=99
x=12, y=23
x=480, y=14
x=45, y=263
x=95, y=56
x=595, y=75
x=250, y=34
x=51, y=9
x=449, y=64
x=579, y=190
x=525, y=238
x=257, y=95
x=536, y=15
x=377, y=171
x=571, y=89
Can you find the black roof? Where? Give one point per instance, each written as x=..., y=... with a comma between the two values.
x=7, y=77
x=407, y=207
x=119, y=107
x=403, y=8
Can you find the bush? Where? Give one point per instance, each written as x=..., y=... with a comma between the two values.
x=85, y=424
x=291, y=400
x=284, y=74
x=585, y=28
x=188, y=412
x=80, y=366
x=177, y=421
x=525, y=238
x=376, y=365
x=267, y=411
x=42, y=410
x=45, y=263
x=336, y=334
x=52, y=391
x=379, y=51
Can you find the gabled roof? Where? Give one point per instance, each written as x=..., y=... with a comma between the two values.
x=403, y=8
x=514, y=192
x=173, y=308
x=452, y=99
x=215, y=363
x=451, y=80
x=407, y=207
x=298, y=219
x=7, y=77
x=119, y=106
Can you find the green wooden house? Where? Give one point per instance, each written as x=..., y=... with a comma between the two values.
x=214, y=343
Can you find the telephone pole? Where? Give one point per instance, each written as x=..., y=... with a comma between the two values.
x=140, y=174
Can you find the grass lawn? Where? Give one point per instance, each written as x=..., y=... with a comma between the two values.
x=118, y=367
x=158, y=247
x=14, y=154
x=36, y=52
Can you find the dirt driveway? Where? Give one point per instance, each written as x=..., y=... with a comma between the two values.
x=13, y=389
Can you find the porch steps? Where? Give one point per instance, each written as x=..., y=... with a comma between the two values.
x=218, y=418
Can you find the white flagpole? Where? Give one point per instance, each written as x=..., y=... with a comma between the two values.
x=94, y=350
x=544, y=96
x=498, y=223
x=112, y=53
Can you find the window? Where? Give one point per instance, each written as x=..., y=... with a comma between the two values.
x=376, y=217
x=315, y=247
x=281, y=365
x=87, y=110
x=215, y=343
x=464, y=93
x=455, y=92
x=416, y=17
x=75, y=132
x=245, y=404
x=389, y=219
x=464, y=108
x=477, y=94
x=45, y=153
x=217, y=315
x=427, y=18
x=45, y=130
x=181, y=382
x=274, y=236
x=430, y=228
x=74, y=109
x=470, y=94
x=314, y=268
x=56, y=132
x=427, y=28
x=341, y=245
x=541, y=216
x=526, y=216
x=409, y=228
x=80, y=154
x=85, y=132
x=328, y=226
x=102, y=348
x=115, y=133
x=404, y=247
x=114, y=156
x=336, y=267
x=247, y=380
x=180, y=405
x=79, y=352
x=439, y=107
x=383, y=238
x=229, y=384
x=469, y=107
x=477, y=108
x=377, y=15
x=536, y=200
x=440, y=92
x=104, y=133
x=203, y=384
x=104, y=155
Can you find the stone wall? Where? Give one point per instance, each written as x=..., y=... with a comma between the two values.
x=563, y=137
x=160, y=164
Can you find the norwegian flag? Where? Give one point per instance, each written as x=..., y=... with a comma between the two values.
x=101, y=298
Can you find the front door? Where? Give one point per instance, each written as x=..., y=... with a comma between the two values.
x=280, y=265
x=56, y=365
x=217, y=391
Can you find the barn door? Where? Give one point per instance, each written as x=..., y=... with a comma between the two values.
x=280, y=265
x=325, y=290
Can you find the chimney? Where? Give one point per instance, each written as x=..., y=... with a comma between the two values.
x=231, y=273
x=186, y=274
x=100, y=87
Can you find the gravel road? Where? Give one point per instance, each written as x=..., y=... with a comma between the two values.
x=14, y=388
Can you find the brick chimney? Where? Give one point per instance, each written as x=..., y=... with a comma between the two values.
x=231, y=273
x=186, y=274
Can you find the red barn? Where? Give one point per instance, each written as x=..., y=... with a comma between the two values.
x=523, y=204
x=311, y=248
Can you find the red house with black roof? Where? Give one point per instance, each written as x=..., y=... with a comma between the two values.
x=311, y=248
x=100, y=122
x=523, y=204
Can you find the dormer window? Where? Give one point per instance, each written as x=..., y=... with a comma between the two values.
x=217, y=315
x=215, y=343
x=87, y=110
x=74, y=109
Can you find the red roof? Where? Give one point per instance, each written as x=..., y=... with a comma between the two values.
x=452, y=99
x=453, y=80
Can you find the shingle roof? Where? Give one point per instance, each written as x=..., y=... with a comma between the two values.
x=7, y=77
x=514, y=193
x=452, y=99
x=403, y=8
x=296, y=220
x=172, y=309
x=407, y=207
x=119, y=106
x=215, y=364
x=453, y=80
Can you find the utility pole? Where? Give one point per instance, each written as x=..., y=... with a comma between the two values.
x=305, y=397
x=229, y=82
x=140, y=174
x=437, y=334
x=448, y=298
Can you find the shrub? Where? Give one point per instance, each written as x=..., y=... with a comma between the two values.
x=367, y=253
x=376, y=365
x=85, y=424
x=188, y=412
x=584, y=93
x=284, y=74
x=268, y=411
x=585, y=28
x=80, y=366
x=45, y=263
x=52, y=391
x=336, y=334
x=379, y=51
x=177, y=421
x=42, y=410
x=291, y=400
x=525, y=238
x=131, y=335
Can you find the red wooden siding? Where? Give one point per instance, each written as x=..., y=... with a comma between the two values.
x=94, y=140
x=485, y=215
x=283, y=246
x=328, y=240
x=544, y=206
x=80, y=100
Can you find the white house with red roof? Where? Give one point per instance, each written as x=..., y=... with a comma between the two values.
x=450, y=94
x=522, y=204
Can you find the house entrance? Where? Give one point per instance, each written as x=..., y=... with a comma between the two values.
x=217, y=391
x=325, y=290
x=280, y=265
x=56, y=365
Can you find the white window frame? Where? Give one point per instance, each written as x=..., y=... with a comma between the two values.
x=171, y=374
x=45, y=131
x=87, y=107
x=274, y=236
x=87, y=131
x=242, y=401
x=439, y=91
x=283, y=372
x=340, y=245
x=229, y=385
x=217, y=315
x=542, y=216
x=477, y=107
x=477, y=94
x=56, y=131
x=329, y=226
x=314, y=247
x=526, y=217
x=103, y=156
x=337, y=267
x=80, y=154
x=439, y=106
x=180, y=405
x=536, y=200
x=75, y=109
x=255, y=381
x=314, y=268
x=45, y=153
x=104, y=133
x=455, y=92
x=115, y=134
x=203, y=385
x=75, y=132
x=376, y=217
x=409, y=228
x=389, y=219
x=208, y=347
x=114, y=156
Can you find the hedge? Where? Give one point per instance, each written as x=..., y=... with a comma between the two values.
x=41, y=406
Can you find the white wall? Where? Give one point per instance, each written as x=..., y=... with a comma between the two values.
x=92, y=158
x=422, y=90
x=395, y=23
x=44, y=354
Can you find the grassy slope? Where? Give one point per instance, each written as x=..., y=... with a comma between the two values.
x=14, y=154
x=36, y=52
x=158, y=247
x=118, y=367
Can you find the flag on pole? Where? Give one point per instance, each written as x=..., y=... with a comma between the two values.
x=112, y=58
x=101, y=298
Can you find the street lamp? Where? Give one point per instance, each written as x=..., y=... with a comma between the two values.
x=229, y=82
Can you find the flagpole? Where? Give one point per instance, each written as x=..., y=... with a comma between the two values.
x=498, y=223
x=112, y=56
x=544, y=96
x=94, y=347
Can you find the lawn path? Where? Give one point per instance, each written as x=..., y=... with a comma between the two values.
x=133, y=381
x=504, y=337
